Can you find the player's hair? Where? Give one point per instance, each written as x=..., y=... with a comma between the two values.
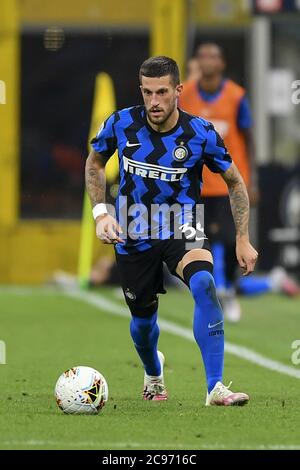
x=160, y=66
x=211, y=44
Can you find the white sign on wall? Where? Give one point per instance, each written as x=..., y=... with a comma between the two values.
x=279, y=91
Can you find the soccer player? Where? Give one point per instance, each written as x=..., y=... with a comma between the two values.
x=224, y=103
x=161, y=153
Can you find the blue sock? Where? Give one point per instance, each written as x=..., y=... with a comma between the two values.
x=208, y=326
x=253, y=285
x=145, y=332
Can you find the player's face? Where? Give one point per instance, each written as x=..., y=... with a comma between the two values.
x=210, y=60
x=160, y=97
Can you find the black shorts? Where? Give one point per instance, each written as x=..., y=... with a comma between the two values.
x=141, y=274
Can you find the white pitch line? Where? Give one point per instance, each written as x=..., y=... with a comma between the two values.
x=98, y=301
x=239, y=351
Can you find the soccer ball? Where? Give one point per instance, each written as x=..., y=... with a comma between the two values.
x=81, y=390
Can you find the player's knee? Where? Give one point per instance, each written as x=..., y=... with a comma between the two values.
x=198, y=275
x=201, y=282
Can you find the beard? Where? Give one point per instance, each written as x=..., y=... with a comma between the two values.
x=162, y=117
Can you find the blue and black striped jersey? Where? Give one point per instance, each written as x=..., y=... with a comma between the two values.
x=157, y=169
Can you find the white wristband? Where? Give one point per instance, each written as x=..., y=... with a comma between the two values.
x=99, y=209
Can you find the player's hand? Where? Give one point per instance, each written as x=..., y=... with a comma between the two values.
x=108, y=229
x=246, y=255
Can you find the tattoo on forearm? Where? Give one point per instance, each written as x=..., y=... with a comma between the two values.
x=240, y=208
x=239, y=200
x=95, y=183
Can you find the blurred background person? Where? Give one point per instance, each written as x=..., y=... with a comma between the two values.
x=193, y=71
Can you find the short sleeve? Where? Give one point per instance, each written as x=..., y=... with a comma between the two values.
x=105, y=141
x=215, y=154
x=244, y=118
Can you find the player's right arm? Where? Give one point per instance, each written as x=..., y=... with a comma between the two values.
x=104, y=145
x=107, y=228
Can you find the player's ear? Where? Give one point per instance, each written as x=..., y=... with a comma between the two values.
x=179, y=89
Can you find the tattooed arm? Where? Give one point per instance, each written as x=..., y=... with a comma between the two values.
x=239, y=201
x=107, y=228
x=95, y=178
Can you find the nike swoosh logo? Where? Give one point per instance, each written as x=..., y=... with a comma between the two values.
x=215, y=324
x=131, y=145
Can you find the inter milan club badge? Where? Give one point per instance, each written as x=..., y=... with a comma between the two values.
x=180, y=153
x=129, y=294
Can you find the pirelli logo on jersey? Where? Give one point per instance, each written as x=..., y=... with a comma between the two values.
x=148, y=170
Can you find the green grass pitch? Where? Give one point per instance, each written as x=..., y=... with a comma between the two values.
x=47, y=331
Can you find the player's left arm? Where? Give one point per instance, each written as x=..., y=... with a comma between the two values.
x=239, y=201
